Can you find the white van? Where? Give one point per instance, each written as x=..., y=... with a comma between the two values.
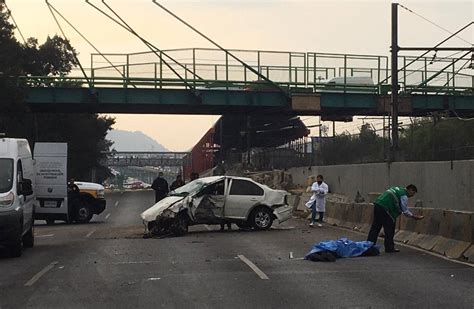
x=17, y=198
x=352, y=84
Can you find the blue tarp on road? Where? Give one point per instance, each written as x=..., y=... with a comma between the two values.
x=342, y=247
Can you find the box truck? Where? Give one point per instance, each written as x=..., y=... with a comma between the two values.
x=55, y=201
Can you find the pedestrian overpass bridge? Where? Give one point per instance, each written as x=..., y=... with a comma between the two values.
x=209, y=81
x=144, y=159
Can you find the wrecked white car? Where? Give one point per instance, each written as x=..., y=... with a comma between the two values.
x=217, y=200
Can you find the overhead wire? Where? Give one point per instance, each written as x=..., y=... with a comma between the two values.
x=429, y=50
x=14, y=21
x=91, y=86
x=151, y=46
x=89, y=42
x=221, y=48
x=433, y=23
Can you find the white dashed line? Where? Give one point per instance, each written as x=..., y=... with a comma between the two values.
x=254, y=267
x=117, y=203
x=40, y=274
x=108, y=216
x=42, y=236
x=90, y=234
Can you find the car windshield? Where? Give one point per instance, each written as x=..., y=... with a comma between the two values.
x=6, y=175
x=188, y=188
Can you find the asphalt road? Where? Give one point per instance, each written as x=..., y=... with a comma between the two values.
x=107, y=264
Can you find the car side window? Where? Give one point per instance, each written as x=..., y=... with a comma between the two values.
x=244, y=187
x=214, y=189
x=19, y=178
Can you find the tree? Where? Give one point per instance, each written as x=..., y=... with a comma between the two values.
x=84, y=133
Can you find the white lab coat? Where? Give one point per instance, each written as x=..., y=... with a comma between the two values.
x=319, y=196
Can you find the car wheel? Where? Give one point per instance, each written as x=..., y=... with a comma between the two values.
x=261, y=218
x=83, y=213
x=49, y=221
x=29, y=238
x=180, y=225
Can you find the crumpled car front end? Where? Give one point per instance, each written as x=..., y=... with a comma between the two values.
x=160, y=218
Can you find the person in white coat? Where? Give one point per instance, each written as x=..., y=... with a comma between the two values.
x=317, y=202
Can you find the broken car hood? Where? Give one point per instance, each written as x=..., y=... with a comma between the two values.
x=151, y=213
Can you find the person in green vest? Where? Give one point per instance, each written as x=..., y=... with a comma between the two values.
x=387, y=207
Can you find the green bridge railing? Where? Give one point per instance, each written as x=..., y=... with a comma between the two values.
x=206, y=68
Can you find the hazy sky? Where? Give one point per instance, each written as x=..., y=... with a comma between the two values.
x=359, y=27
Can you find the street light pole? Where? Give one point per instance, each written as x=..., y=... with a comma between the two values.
x=394, y=101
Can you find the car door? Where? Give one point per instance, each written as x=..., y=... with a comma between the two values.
x=210, y=203
x=242, y=196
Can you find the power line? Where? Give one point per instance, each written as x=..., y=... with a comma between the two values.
x=14, y=22
x=433, y=23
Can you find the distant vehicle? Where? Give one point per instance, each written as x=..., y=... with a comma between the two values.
x=218, y=200
x=17, y=197
x=353, y=84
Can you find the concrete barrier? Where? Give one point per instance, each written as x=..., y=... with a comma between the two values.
x=446, y=232
x=469, y=254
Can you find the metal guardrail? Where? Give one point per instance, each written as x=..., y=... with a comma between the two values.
x=206, y=68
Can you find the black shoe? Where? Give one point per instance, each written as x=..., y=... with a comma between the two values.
x=392, y=251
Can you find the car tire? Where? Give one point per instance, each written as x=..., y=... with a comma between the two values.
x=261, y=218
x=49, y=221
x=180, y=225
x=29, y=238
x=83, y=213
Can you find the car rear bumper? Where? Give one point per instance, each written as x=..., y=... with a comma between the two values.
x=283, y=213
x=10, y=226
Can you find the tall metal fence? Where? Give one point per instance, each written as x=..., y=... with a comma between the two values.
x=423, y=140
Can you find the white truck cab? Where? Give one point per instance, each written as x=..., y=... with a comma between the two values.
x=17, y=198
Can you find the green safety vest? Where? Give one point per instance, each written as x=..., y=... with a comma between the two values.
x=390, y=201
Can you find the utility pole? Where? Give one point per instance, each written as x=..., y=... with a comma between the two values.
x=394, y=101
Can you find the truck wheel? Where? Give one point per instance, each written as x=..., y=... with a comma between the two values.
x=29, y=238
x=261, y=218
x=83, y=213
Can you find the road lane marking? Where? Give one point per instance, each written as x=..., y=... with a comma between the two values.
x=90, y=234
x=108, y=216
x=40, y=274
x=116, y=203
x=134, y=262
x=254, y=267
x=47, y=235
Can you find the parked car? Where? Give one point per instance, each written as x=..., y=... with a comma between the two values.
x=218, y=200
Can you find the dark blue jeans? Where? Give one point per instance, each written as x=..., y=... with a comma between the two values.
x=314, y=213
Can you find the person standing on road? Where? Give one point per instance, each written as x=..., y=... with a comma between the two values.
x=160, y=185
x=317, y=202
x=177, y=183
x=387, y=207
